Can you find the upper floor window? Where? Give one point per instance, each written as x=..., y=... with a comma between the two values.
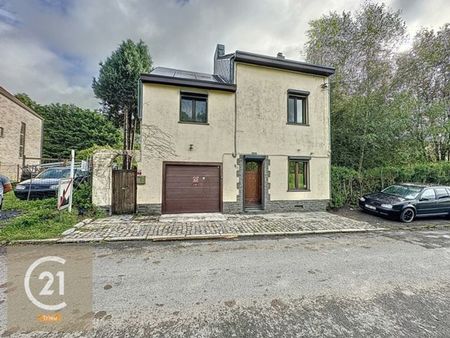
x=1, y=131
x=194, y=108
x=297, y=107
x=23, y=129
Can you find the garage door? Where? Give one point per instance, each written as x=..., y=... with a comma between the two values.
x=192, y=188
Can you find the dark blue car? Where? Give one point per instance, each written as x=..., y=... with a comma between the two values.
x=46, y=183
x=408, y=201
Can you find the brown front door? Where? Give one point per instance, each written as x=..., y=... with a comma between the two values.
x=192, y=188
x=252, y=184
x=123, y=191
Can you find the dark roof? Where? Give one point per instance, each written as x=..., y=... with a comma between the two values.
x=185, y=78
x=10, y=96
x=178, y=77
x=281, y=63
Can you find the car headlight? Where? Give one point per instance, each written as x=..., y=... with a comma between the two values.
x=54, y=187
x=362, y=199
x=20, y=187
x=386, y=206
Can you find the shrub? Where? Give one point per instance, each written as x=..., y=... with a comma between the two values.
x=347, y=185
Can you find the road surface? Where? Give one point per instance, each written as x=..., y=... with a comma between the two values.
x=377, y=285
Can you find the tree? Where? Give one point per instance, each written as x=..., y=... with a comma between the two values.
x=424, y=76
x=69, y=127
x=361, y=48
x=117, y=87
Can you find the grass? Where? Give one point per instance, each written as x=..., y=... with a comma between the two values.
x=38, y=219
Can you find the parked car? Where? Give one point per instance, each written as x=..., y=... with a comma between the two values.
x=46, y=183
x=408, y=201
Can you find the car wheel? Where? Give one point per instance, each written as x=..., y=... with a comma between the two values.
x=407, y=215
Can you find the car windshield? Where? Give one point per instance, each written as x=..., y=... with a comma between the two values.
x=403, y=191
x=55, y=173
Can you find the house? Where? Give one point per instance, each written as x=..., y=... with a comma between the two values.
x=252, y=136
x=21, y=134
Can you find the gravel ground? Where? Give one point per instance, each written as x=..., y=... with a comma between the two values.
x=383, y=222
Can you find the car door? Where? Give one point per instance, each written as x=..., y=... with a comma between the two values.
x=427, y=202
x=442, y=200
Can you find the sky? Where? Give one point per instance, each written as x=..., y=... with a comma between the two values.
x=51, y=49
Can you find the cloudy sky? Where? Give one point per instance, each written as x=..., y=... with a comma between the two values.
x=50, y=49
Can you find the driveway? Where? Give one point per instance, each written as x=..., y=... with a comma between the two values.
x=383, y=222
x=227, y=226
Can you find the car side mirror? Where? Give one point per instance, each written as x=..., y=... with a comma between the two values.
x=424, y=199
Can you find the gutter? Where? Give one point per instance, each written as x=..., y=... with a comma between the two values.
x=151, y=78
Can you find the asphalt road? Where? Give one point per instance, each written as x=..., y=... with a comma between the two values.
x=377, y=285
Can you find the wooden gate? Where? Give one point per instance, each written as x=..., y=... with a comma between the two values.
x=123, y=191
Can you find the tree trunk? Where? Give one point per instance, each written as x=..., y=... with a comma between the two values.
x=124, y=157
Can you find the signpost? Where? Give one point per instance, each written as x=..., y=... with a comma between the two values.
x=64, y=193
x=65, y=188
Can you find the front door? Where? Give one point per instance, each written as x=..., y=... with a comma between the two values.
x=253, y=184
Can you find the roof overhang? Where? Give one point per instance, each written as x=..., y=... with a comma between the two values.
x=173, y=81
x=268, y=61
x=14, y=99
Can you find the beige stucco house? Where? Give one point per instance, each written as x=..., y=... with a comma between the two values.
x=252, y=136
x=21, y=134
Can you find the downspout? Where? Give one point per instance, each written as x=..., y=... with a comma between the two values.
x=235, y=108
x=329, y=136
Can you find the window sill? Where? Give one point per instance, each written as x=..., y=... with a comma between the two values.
x=299, y=190
x=298, y=124
x=200, y=123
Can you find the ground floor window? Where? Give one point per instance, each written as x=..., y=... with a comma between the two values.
x=298, y=175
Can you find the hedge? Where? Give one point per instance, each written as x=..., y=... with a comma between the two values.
x=347, y=185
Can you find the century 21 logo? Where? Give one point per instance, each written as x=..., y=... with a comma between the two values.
x=49, y=287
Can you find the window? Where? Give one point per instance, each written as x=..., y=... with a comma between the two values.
x=297, y=108
x=23, y=129
x=194, y=108
x=298, y=175
x=441, y=193
x=428, y=195
x=1, y=131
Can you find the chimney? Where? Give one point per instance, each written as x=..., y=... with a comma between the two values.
x=220, y=51
x=280, y=55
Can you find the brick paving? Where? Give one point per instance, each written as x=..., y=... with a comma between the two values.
x=149, y=227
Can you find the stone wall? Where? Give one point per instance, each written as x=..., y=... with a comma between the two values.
x=102, y=164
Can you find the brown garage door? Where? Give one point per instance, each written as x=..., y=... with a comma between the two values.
x=192, y=188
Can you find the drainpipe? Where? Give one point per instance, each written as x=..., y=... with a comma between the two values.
x=235, y=109
x=329, y=134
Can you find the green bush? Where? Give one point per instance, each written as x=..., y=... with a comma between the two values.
x=347, y=185
x=82, y=200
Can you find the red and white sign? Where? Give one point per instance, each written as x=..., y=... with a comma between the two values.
x=64, y=193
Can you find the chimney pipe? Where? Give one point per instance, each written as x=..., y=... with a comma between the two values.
x=280, y=55
x=220, y=50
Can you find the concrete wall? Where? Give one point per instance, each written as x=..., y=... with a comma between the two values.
x=261, y=101
x=262, y=127
x=164, y=138
x=11, y=116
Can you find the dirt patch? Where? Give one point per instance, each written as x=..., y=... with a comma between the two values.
x=7, y=215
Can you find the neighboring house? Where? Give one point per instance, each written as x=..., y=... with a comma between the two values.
x=20, y=134
x=253, y=136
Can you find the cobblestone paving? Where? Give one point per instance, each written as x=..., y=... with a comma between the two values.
x=148, y=227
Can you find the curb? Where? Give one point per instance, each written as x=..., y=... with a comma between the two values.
x=192, y=237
